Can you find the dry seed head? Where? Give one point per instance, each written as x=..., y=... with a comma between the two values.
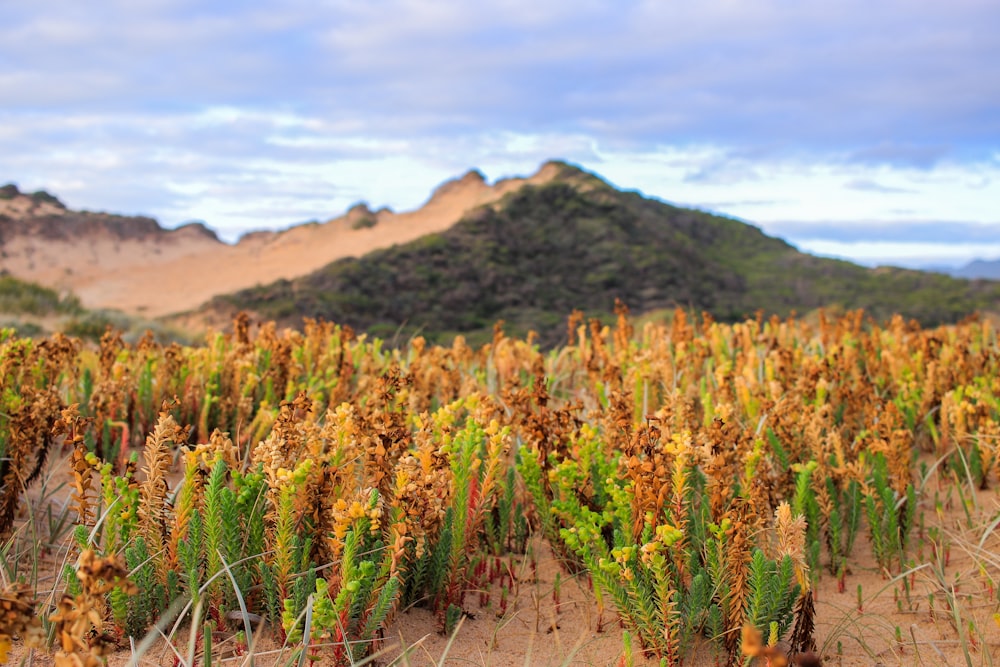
x=790, y=540
x=270, y=454
x=100, y=575
x=82, y=466
x=158, y=456
x=751, y=641
x=220, y=446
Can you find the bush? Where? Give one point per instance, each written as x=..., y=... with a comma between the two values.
x=24, y=298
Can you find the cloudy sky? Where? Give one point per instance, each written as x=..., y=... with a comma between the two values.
x=868, y=130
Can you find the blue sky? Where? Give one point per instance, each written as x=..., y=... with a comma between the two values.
x=869, y=130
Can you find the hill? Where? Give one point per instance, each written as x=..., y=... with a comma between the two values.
x=132, y=264
x=576, y=242
x=979, y=269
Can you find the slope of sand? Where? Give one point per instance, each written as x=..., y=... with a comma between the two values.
x=184, y=268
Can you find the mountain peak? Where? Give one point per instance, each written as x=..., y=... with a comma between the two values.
x=199, y=228
x=472, y=181
x=979, y=269
x=360, y=216
x=567, y=172
x=473, y=176
x=534, y=254
x=360, y=208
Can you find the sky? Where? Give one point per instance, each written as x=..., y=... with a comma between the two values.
x=868, y=130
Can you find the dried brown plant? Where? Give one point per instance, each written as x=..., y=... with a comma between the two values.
x=32, y=429
x=18, y=619
x=154, y=519
x=79, y=620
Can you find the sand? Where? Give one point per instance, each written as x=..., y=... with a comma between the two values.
x=184, y=268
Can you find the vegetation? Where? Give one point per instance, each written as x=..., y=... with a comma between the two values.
x=10, y=190
x=28, y=309
x=579, y=243
x=19, y=297
x=703, y=477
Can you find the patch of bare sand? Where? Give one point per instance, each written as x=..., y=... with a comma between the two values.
x=532, y=627
x=184, y=270
x=947, y=605
x=83, y=264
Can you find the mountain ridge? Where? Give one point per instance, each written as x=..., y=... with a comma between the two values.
x=547, y=249
x=528, y=250
x=183, y=268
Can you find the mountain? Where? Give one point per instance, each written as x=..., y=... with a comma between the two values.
x=979, y=269
x=134, y=265
x=575, y=242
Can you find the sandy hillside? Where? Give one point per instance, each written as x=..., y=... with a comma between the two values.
x=170, y=271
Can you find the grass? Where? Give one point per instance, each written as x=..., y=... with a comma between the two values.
x=868, y=633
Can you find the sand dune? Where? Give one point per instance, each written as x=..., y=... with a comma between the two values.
x=177, y=270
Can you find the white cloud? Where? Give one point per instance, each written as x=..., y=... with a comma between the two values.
x=817, y=74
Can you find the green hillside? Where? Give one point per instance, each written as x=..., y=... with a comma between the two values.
x=578, y=243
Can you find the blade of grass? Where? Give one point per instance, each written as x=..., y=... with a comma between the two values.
x=239, y=596
x=193, y=638
x=451, y=641
x=307, y=631
x=957, y=616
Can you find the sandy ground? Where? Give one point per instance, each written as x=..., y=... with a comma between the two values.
x=533, y=629
x=951, y=605
x=185, y=268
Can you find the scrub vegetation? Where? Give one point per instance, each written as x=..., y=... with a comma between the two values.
x=309, y=487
